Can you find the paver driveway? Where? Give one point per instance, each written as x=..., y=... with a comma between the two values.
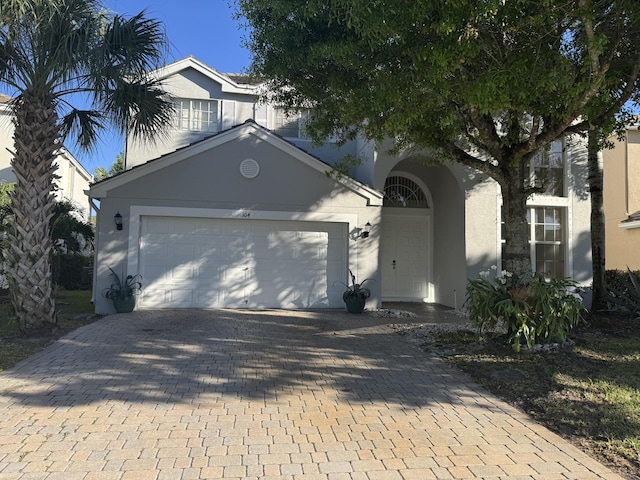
x=260, y=395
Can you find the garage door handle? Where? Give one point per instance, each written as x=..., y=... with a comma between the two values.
x=393, y=264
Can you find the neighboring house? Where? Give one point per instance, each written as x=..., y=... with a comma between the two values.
x=622, y=201
x=73, y=179
x=235, y=209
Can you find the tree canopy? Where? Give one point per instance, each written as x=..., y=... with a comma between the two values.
x=487, y=84
x=116, y=167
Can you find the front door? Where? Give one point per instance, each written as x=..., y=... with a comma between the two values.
x=405, y=256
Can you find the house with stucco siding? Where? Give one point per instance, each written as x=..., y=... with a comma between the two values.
x=72, y=179
x=235, y=207
x=621, y=166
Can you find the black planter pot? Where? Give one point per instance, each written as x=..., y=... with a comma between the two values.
x=355, y=303
x=124, y=304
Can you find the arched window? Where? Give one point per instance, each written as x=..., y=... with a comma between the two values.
x=404, y=193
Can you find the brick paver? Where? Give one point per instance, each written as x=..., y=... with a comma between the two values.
x=261, y=395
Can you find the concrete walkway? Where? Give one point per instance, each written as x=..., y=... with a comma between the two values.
x=261, y=395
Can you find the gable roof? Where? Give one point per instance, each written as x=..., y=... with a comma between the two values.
x=248, y=128
x=230, y=83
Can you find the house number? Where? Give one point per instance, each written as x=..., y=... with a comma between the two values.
x=246, y=214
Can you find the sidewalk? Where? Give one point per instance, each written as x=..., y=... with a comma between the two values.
x=286, y=395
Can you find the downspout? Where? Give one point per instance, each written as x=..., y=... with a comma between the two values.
x=626, y=174
x=95, y=207
x=126, y=147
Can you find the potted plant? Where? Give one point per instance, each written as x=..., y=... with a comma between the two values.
x=355, y=296
x=123, y=291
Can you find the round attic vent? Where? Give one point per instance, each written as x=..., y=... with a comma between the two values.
x=249, y=168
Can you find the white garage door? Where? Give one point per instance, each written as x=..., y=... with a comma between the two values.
x=231, y=263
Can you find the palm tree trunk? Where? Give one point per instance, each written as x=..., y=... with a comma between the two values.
x=597, y=221
x=35, y=142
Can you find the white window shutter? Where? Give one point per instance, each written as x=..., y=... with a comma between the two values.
x=260, y=114
x=228, y=114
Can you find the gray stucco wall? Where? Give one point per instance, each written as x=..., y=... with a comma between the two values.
x=211, y=181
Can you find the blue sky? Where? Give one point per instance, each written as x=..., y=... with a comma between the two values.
x=205, y=29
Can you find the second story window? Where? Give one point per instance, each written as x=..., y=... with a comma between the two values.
x=197, y=115
x=548, y=169
x=290, y=125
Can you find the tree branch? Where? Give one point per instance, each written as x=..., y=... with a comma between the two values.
x=464, y=157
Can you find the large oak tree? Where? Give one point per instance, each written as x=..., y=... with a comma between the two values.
x=53, y=52
x=485, y=83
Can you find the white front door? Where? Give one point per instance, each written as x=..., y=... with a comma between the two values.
x=406, y=256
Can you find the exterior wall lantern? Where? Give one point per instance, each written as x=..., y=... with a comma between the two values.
x=365, y=231
x=118, y=219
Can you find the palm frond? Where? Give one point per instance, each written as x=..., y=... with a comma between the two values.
x=136, y=45
x=142, y=108
x=84, y=126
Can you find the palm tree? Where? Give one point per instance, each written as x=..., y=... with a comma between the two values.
x=52, y=52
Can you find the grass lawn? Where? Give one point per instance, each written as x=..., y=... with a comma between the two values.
x=16, y=346
x=589, y=395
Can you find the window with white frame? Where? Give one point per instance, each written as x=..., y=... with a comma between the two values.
x=197, y=115
x=403, y=192
x=290, y=124
x=548, y=169
x=547, y=240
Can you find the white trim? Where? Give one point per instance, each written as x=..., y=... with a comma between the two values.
x=629, y=225
x=541, y=201
x=498, y=224
x=138, y=211
x=227, y=85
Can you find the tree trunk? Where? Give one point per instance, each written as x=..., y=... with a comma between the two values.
x=516, y=257
x=516, y=254
x=596, y=186
x=35, y=142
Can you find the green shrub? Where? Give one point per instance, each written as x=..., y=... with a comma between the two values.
x=540, y=311
x=67, y=270
x=623, y=290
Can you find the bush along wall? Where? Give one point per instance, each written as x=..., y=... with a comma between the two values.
x=623, y=291
x=69, y=271
x=541, y=311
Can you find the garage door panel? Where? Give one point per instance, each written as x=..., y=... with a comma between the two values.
x=182, y=251
x=236, y=248
x=241, y=263
x=183, y=226
x=180, y=297
x=155, y=296
x=208, y=254
x=182, y=273
x=154, y=274
x=160, y=225
x=207, y=228
x=206, y=273
x=206, y=297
